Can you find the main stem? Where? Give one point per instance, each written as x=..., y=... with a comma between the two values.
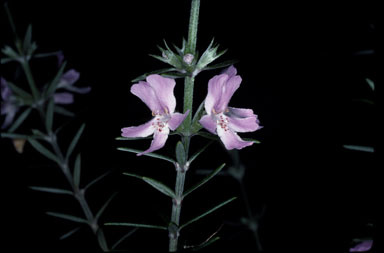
x=182, y=166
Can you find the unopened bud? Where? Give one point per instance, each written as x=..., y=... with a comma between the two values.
x=188, y=58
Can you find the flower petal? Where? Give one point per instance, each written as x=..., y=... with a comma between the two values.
x=143, y=130
x=242, y=125
x=231, y=140
x=229, y=88
x=147, y=94
x=163, y=88
x=5, y=90
x=176, y=119
x=68, y=78
x=159, y=139
x=10, y=115
x=241, y=112
x=362, y=247
x=215, y=89
x=63, y=98
x=208, y=123
x=230, y=71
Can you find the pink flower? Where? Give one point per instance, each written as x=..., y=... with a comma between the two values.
x=362, y=247
x=67, y=81
x=9, y=106
x=223, y=120
x=157, y=94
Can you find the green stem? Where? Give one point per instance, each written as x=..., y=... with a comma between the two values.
x=64, y=166
x=182, y=168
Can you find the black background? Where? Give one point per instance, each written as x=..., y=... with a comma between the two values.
x=300, y=75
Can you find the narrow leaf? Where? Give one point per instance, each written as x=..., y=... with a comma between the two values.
x=19, y=91
x=180, y=153
x=52, y=87
x=77, y=171
x=67, y=217
x=75, y=140
x=208, y=136
x=43, y=55
x=370, y=83
x=44, y=151
x=14, y=136
x=196, y=126
x=195, y=155
x=207, y=212
x=66, y=235
x=154, y=155
x=95, y=180
x=135, y=225
x=155, y=184
x=49, y=117
x=124, y=237
x=253, y=140
x=51, y=190
x=221, y=65
x=63, y=111
x=205, y=180
x=102, y=209
x=20, y=120
x=27, y=38
x=101, y=240
x=160, y=71
x=138, y=138
x=175, y=75
x=207, y=243
x=360, y=148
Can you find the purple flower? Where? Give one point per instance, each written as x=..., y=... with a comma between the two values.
x=362, y=247
x=67, y=81
x=157, y=94
x=223, y=120
x=9, y=106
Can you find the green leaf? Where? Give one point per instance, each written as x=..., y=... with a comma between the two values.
x=155, y=184
x=253, y=140
x=43, y=55
x=370, y=83
x=124, y=237
x=360, y=148
x=20, y=120
x=175, y=75
x=196, y=126
x=180, y=153
x=95, y=180
x=221, y=65
x=55, y=81
x=195, y=155
x=63, y=111
x=101, y=240
x=75, y=141
x=27, y=39
x=44, y=151
x=144, y=76
x=208, y=136
x=154, y=155
x=49, y=116
x=102, y=209
x=51, y=190
x=205, y=180
x=207, y=212
x=67, y=217
x=207, y=243
x=135, y=225
x=14, y=136
x=77, y=171
x=19, y=91
x=66, y=235
x=8, y=51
